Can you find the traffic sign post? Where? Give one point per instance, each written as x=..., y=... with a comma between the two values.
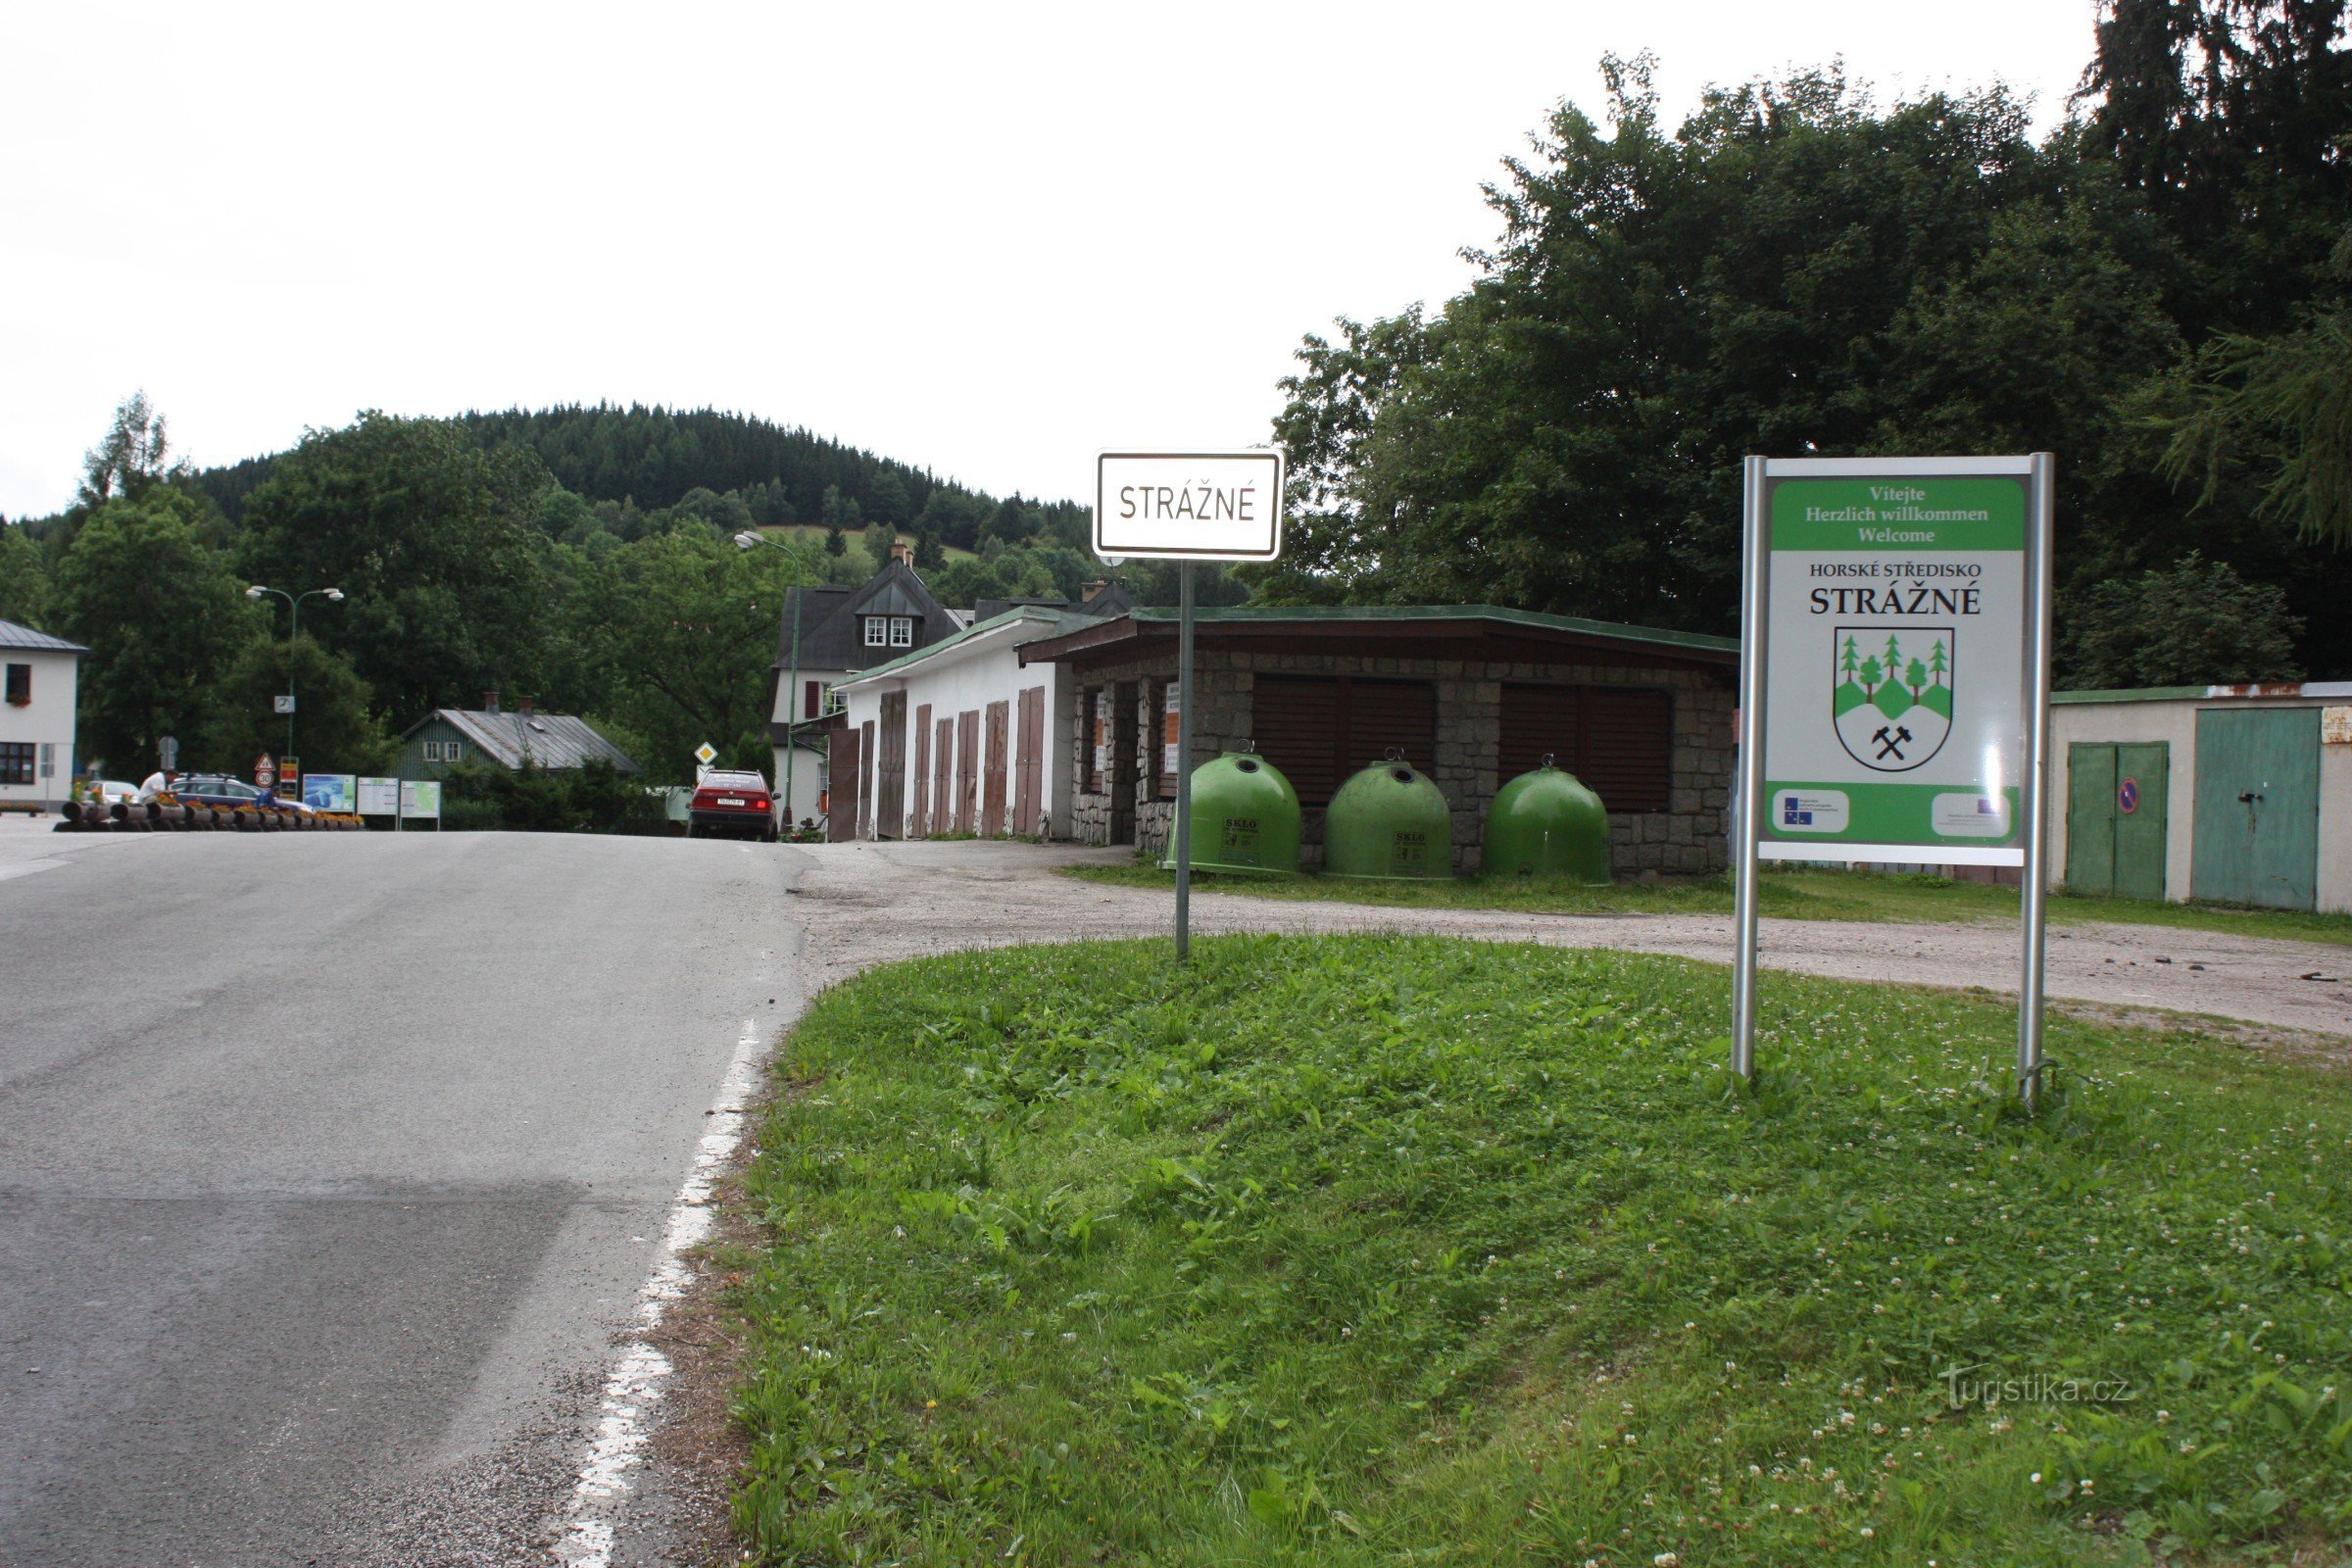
x=1187, y=507
x=1895, y=683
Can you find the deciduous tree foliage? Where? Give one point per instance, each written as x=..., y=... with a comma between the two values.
x=163, y=617
x=434, y=543
x=683, y=627
x=1796, y=269
x=336, y=730
x=2191, y=623
x=24, y=578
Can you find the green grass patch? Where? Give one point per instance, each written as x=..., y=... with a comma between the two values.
x=1794, y=895
x=1370, y=1250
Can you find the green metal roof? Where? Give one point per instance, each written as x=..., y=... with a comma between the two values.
x=1244, y=614
x=2138, y=693
x=1035, y=613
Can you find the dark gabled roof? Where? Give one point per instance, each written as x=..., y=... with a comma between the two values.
x=1444, y=631
x=547, y=740
x=830, y=634
x=13, y=635
x=1113, y=600
x=819, y=604
x=1116, y=599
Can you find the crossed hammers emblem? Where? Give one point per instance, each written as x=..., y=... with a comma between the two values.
x=1892, y=745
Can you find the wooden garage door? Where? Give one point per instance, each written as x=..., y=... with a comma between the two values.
x=943, y=777
x=968, y=770
x=1029, y=763
x=1618, y=740
x=841, y=788
x=922, y=773
x=890, y=769
x=991, y=790
x=1319, y=731
x=865, y=779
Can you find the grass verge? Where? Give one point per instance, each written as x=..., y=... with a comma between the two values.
x=1806, y=895
x=1398, y=1251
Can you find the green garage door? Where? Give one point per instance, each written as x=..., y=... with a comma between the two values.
x=2116, y=816
x=2258, y=807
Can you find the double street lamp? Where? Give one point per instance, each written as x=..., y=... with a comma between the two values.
x=293, y=625
x=748, y=540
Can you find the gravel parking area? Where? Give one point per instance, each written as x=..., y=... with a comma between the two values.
x=870, y=904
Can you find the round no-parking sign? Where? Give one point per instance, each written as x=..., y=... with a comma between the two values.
x=2127, y=796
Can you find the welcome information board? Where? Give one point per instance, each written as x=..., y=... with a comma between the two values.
x=1898, y=656
x=1895, y=685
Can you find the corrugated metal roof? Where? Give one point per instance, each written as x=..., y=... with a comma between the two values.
x=2305, y=690
x=547, y=740
x=13, y=635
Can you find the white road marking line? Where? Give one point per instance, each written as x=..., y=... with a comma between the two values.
x=624, y=1416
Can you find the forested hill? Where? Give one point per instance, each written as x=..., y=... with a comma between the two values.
x=655, y=456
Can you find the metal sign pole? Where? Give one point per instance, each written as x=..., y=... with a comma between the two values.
x=2036, y=892
x=1749, y=802
x=1184, y=764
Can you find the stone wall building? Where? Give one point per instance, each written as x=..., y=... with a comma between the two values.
x=1471, y=695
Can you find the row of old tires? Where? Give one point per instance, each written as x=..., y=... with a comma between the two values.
x=1390, y=821
x=191, y=817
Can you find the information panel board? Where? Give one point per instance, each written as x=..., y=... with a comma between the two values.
x=1895, y=685
x=1897, y=651
x=379, y=796
x=420, y=797
x=330, y=791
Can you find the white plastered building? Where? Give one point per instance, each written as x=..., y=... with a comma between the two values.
x=959, y=738
x=40, y=677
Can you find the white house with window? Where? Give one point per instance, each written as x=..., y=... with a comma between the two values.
x=843, y=629
x=39, y=676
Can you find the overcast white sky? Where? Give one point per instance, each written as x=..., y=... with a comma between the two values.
x=989, y=239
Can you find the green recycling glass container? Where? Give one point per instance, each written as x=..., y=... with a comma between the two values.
x=1546, y=823
x=1389, y=822
x=1245, y=817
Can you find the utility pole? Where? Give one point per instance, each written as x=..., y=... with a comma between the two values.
x=792, y=679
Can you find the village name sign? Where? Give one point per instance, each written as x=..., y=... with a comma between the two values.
x=1187, y=507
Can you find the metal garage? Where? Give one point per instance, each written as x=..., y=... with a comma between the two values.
x=2227, y=794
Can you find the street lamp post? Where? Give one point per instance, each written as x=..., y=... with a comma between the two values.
x=747, y=540
x=293, y=628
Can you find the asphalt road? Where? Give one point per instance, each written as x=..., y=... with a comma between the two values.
x=331, y=1166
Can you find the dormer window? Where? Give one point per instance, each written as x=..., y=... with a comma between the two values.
x=890, y=631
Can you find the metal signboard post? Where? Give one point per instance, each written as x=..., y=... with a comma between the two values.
x=379, y=796
x=329, y=792
x=1187, y=507
x=1894, y=684
x=420, y=799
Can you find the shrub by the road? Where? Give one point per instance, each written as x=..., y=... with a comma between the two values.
x=1375, y=1250
x=596, y=798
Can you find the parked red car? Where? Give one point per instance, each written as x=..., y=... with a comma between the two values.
x=731, y=804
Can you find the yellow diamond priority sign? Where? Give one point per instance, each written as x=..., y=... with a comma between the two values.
x=706, y=754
